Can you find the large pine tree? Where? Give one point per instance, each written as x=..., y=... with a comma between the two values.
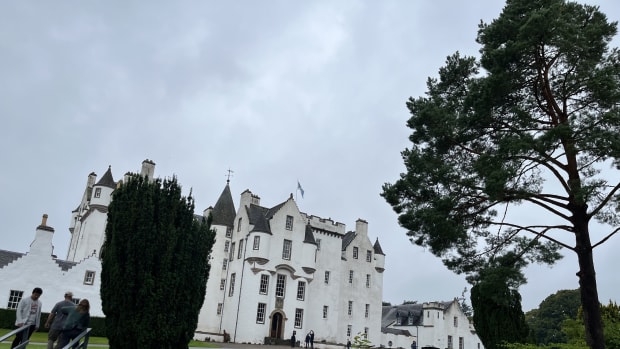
x=154, y=265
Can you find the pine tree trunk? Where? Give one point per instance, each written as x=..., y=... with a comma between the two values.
x=587, y=284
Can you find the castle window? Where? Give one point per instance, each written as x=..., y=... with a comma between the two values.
x=226, y=246
x=14, y=298
x=355, y=252
x=97, y=192
x=229, y=232
x=366, y=331
x=456, y=321
x=89, y=277
x=239, y=225
x=350, y=276
x=231, y=254
x=450, y=345
x=231, y=289
x=461, y=343
x=349, y=330
x=325, y=310
x=318, y=244
x=222, y=284
x=224, y=264
x=219, y=308
x=240, y=252
x=410, y=320
x=289, y=222
x=286, y=249
x=350, y=308
x=326, y=277
x=260, y=313
x=264, y=284
x=301, y=290
x=368, y=256
x=280, y=285
x=256, y=244
x=299, y=317
x=367, y=280
x=367, y=310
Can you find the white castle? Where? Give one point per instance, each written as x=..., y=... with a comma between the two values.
x=274, y=271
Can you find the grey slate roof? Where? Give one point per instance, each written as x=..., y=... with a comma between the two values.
x=309, y=237
x=224, y=210
x=389, y=313
x=347, y=239
x=107, y=180
x=377, y=248
x=7, y=257
x=259, y=216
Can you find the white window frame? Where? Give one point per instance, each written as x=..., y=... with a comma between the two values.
x=97, y=193
x=256, y=244
x=226, y=246
x=231, y=253
x=289, y=222
x=229, y=231
x=349, y=330
x=280, y=285
x=367, y=310
x=261, y=310
x=350, y=308
x=351, y=276
x=224, y=264
x=89, y=277
x=355, y=252
x=461, y=343
x=367, y=280
x=368, y=256
x=327, y=277
x=287, y=249
x=301, y=290
x=299, y=317
x=263, y=288
x=239, y=224
x=456, y=321
x=240, y=252
x=231, y=288
x=450, y=343
x=14, y=297
x=325, y=311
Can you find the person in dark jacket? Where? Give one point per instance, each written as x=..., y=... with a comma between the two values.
x=76, y=322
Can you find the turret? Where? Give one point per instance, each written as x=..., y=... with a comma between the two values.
x=102, y=191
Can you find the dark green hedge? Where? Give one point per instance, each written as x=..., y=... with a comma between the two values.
x=7, y=320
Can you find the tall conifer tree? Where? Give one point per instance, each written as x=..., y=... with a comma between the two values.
x=154, y=265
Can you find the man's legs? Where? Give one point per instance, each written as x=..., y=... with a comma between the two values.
x=18, y=337
x=52, y=337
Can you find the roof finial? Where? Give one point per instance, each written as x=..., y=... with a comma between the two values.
x=230, y=172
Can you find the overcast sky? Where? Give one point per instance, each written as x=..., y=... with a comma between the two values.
x=277, y=91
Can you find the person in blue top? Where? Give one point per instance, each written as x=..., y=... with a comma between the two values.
x=77, y=321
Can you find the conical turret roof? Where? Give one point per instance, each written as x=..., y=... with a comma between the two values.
x=107, y=180
x=224, y=210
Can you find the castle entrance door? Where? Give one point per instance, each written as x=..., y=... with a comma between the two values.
x=276, y=325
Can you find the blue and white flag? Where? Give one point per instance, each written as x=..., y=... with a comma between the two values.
x=300, y=189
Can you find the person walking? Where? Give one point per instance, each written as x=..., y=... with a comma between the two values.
x=77, y=321
x=293, y=340
x=307, y=340
x=311, y=339
x=56, y=319
x=28, y=313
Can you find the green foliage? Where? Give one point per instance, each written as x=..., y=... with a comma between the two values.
x=575, y=330
x=533, y=122
x=154, y=265
x=545, y=323
x=384, y=303
x=361, y=341
x=498, y=317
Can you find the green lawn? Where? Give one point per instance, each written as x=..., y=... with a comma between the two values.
x=41, y=337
